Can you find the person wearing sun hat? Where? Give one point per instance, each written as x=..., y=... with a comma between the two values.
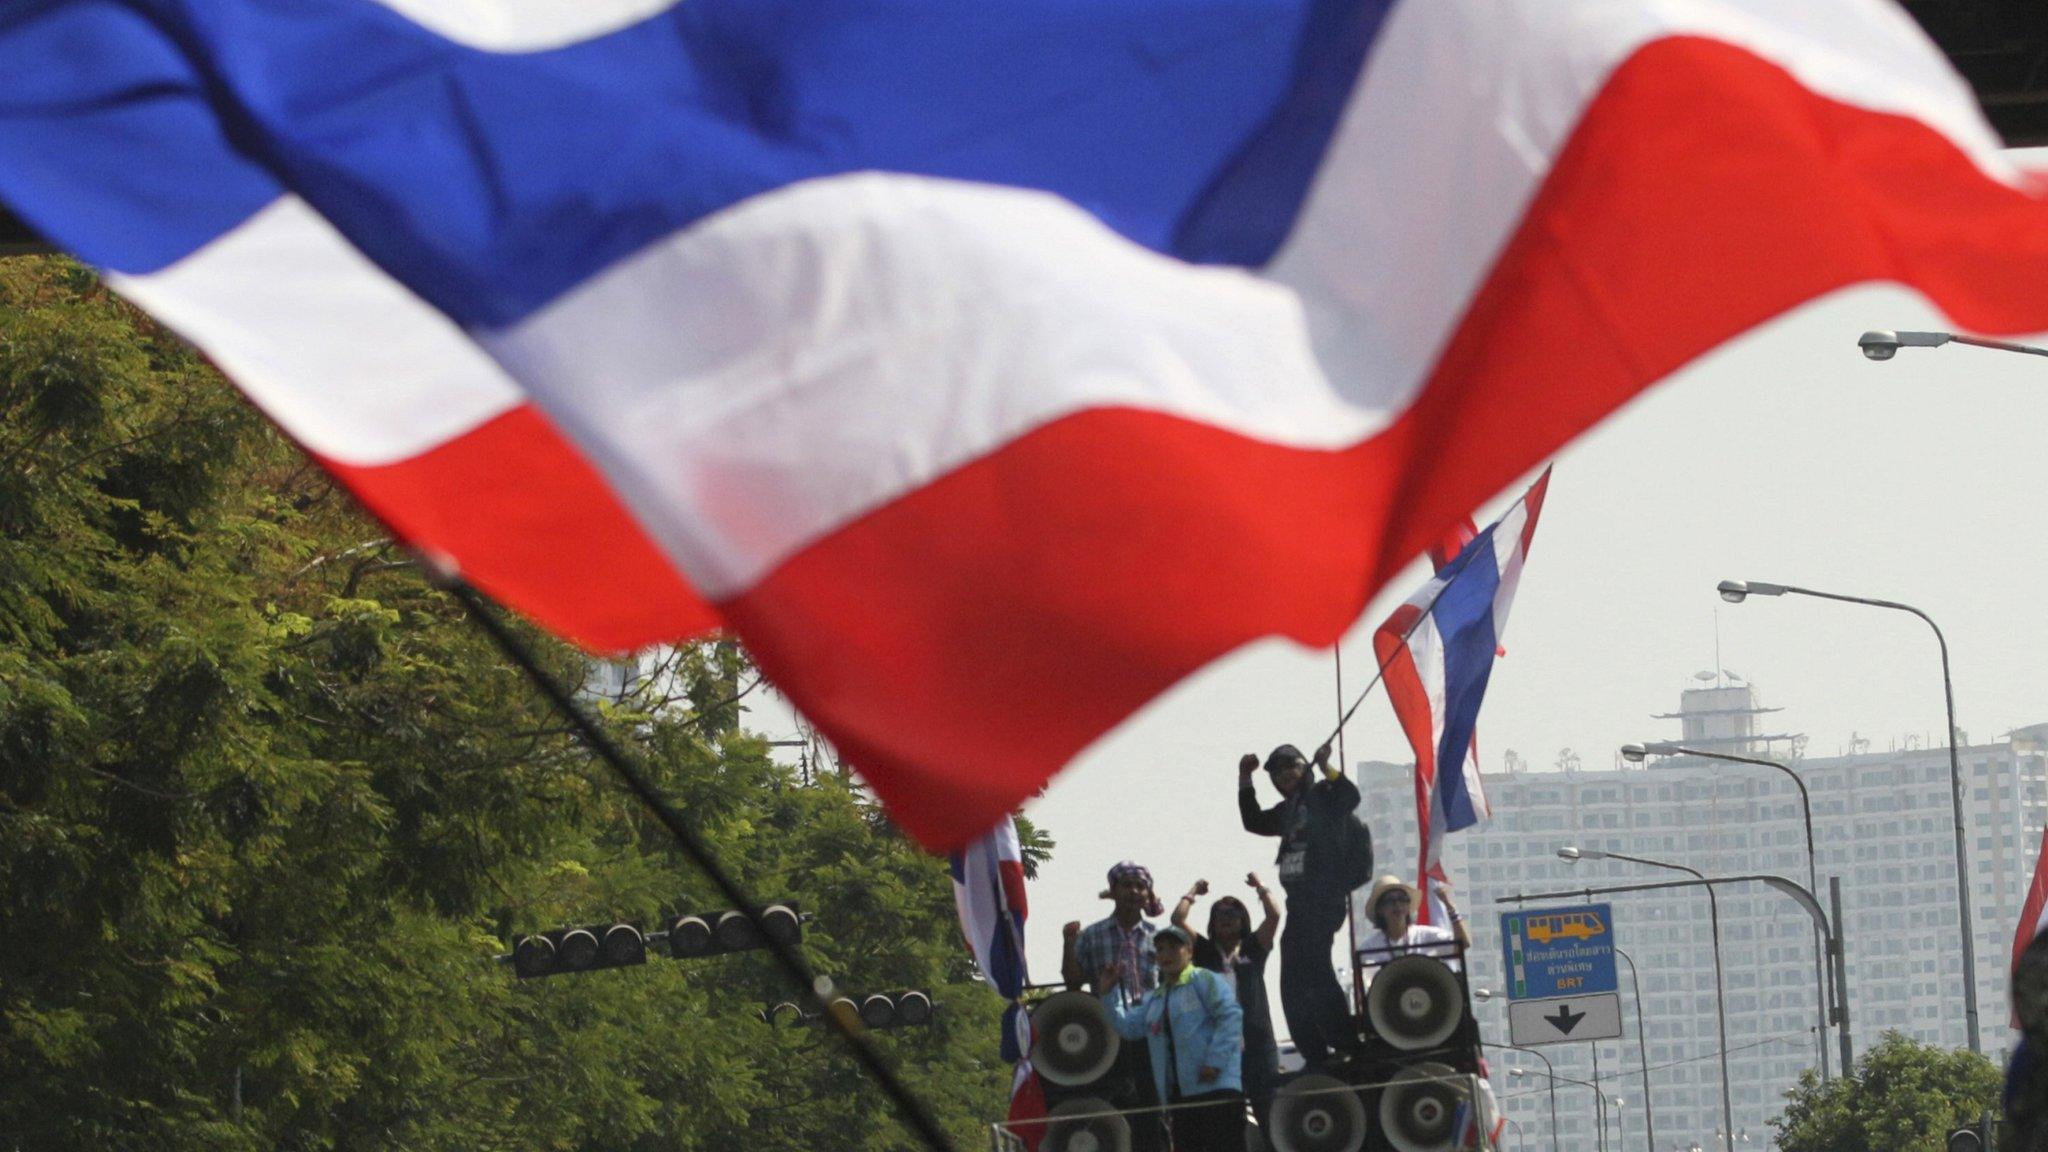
x=1390, y=906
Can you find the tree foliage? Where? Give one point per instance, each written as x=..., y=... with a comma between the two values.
x=1904, y=1097
x=268, y=807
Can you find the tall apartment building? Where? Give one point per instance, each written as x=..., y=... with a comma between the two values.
x=1881, y=822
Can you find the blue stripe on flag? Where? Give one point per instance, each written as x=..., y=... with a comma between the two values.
x=492, y=182
x=106, y=143
x=1006, y=962
x=1464, y=621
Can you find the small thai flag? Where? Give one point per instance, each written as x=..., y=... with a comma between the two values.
x=1438, y=651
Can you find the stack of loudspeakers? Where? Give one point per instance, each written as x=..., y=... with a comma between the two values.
x=1074, y=1048
x=1415, y=1068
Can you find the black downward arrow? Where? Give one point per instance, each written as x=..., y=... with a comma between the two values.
x=1566, y=1019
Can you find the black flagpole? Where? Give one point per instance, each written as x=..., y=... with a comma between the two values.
x=819, y=988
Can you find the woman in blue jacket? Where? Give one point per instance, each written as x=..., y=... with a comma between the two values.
x=1194, y=1028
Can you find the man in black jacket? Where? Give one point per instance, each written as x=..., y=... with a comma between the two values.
x=1324, y=853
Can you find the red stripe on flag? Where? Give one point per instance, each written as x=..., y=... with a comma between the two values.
x=2031, y=913
x=1405, y=691
x=537, y=528
x=1012, y=874
x=1532, y=504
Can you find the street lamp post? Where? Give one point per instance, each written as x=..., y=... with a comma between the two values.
x=1556, y=1144
x=1635, y=753
x=1714, y=926
x=1642, y=1053
x=1736, y=591
x=1521, y=1138
x=1883, y=344
x=1599, y=1098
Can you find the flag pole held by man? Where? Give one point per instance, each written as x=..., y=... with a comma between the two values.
x=994, y=366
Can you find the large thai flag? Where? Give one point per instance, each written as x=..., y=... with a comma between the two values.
x=1436, y=652
x=986, y=368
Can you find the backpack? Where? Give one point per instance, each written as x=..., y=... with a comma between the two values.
x=1354, y=861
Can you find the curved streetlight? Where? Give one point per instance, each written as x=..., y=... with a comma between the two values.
x=1574, y=854
x=1884, y=343
x=1735, y=592
x=1642, y=1052
x=1635, y=753
x=1599, y=1097
x=1555, y=1143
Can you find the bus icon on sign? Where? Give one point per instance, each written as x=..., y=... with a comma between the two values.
x=1564, y=926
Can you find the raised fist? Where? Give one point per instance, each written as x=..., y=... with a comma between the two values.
x=1201, y=888
x=1323, y=756
x=1247, y=764
x=1072, y=931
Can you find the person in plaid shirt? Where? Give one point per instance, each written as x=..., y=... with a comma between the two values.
x=1123, y=941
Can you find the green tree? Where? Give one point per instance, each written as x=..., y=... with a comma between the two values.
x=269, y=804
x=1903, y=1097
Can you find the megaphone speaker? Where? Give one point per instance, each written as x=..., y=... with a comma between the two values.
x=1085, y=1124
x=1073, y=1041
x=1419, y=1108
x=1415, y=1003
x=1317, y=1113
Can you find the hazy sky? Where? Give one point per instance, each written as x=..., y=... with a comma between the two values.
x=1786, y=457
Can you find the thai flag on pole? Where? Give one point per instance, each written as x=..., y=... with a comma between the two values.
x=988, y=892
x=985, y=368
x=1437, y=650
x=2034, y=913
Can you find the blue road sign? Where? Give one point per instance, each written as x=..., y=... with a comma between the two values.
x=1558, y=951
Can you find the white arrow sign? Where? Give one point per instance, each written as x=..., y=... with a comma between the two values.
x=1565, y=1019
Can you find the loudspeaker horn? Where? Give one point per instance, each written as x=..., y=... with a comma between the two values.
x=1318, y=1113
x=1415, y=1003
x=1086, y=1124
x=1419, y=1108
x=1073, y=1041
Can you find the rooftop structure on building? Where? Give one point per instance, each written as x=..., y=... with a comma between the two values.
x=1724, y=718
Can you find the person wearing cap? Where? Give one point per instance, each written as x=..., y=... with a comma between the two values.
x=1390, y=906
x=1325, y=852
x=1121, y=942
x=1236, y=951
x=1193, y=1030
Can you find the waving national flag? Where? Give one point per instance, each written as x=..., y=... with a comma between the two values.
x=1437, y=652
x=988, y=892
x=2034, y=912
x=986, y=368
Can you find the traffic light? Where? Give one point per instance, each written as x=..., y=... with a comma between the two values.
x=1975, y=1138
x=907, y=1009
x=585, y=949
x=900, y=1010
x=695, y=934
